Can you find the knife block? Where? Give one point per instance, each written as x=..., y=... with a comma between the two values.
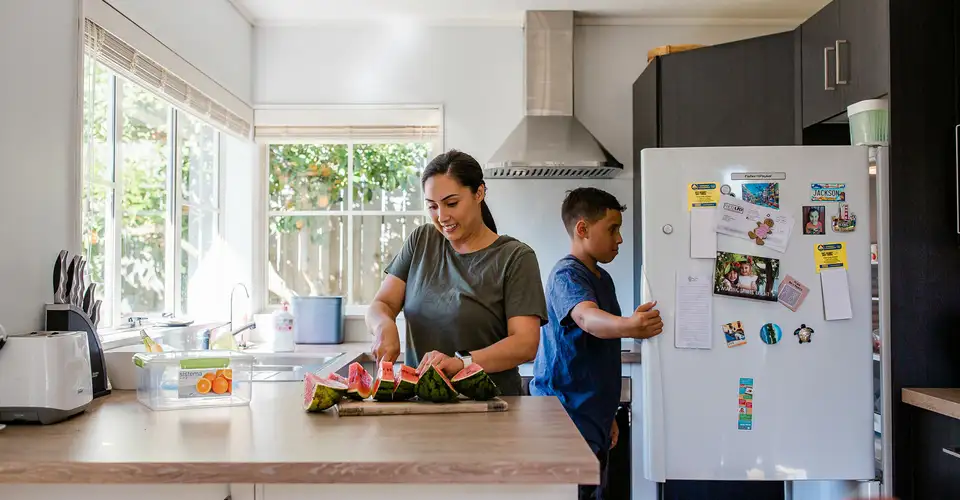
x=70, y=318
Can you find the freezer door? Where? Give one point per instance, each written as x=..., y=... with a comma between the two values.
x=812, y=404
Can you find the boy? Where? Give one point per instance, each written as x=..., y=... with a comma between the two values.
x=579, y=356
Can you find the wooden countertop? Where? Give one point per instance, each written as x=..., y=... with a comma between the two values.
x=942, y=401
x=118, y=440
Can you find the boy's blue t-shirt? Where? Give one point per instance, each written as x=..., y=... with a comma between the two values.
x=583, y=371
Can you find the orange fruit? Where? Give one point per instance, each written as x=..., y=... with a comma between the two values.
x=219, y=373
x=203, y=385
x=220, y=385
x=230, y=386
x=227, y=374
x=209, y=376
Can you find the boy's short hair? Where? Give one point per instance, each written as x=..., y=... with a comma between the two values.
x=589, y=204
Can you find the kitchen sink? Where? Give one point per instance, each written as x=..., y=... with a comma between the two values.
x=287, y=367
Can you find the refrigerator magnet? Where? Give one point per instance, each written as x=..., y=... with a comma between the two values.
x=792, y=293
x=762, y=231
x=828, y=191
x=726, y=190
x=771, y=333
x=733, y=334
x=765, y=194
x=745, y=404
x=813, y=220
x=845, y=221
x=804, y=334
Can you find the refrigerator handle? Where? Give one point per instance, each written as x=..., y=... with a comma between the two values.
x=826, y=68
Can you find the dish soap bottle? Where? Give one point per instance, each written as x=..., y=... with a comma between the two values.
x=283, y=330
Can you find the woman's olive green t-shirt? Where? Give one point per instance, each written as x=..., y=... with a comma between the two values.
x=461, y=302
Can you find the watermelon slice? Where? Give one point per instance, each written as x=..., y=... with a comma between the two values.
x=359, y=383
x=434, y=386
x=337, y=377
x=474, y=383
x=406, y=384
x=321, y=393
x=385, y=382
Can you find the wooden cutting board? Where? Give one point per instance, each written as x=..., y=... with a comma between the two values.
x=376, y=408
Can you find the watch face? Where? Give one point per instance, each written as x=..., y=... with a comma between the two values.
x=463, y=354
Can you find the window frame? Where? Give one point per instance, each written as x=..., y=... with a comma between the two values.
x=175, y=202
x=261, y=231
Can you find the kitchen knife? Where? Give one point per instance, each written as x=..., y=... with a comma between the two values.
x=95, y=314
x=73, y=272
x=60, y=278
x=88, y=298
x=81, y=281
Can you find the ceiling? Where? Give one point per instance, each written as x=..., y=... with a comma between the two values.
x=296, y=12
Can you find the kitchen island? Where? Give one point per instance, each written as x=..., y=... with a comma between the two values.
x=273, y=450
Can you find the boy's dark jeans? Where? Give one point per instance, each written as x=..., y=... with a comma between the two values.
x=597, y=492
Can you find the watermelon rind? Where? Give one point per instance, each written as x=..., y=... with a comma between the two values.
x=434, y=386
x=475, y=383
x=359, y=383
x=385, y=383
x=321, y=394
x=406, y=385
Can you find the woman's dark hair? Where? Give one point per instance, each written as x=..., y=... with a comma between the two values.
x=466, y=170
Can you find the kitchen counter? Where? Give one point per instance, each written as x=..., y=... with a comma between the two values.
x=943, y=401
x=274, y=441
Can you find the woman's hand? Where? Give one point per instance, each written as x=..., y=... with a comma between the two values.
x=386, y=343
x=449, y=366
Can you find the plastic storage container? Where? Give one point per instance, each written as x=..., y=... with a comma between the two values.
x=869, y=122
x=194, y=379
x=318, y=320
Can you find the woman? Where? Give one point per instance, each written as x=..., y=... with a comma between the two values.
x=468, y=294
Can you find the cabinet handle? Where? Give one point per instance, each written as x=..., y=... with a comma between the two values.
x=826, y=68
x=836, y=55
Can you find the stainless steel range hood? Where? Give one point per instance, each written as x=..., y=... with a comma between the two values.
x=550, y=142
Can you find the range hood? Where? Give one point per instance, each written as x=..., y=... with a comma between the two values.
x=550, y=142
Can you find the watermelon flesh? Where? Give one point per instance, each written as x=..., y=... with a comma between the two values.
x=434, y=386
x=474, y=383
x=385, y=383
x=359, y=383
x=406, y=384
x=321, y=393
x=337, y=377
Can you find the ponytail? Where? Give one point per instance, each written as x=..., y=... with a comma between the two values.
x=487, y=216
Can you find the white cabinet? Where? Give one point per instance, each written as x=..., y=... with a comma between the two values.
x=114, y=491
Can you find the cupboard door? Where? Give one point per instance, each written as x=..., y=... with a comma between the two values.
x=733, y=94
x=822, y=98
x=864, y=50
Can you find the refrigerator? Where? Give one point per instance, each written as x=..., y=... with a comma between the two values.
x=759, y=259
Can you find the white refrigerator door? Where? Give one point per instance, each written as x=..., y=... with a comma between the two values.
x=813, y=403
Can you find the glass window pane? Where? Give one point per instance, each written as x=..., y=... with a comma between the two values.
x=376, y=240
x=97, y=207
x=197, y=273
x=307, y=257
x=144, y=158
x=387, y=176
x=97, y=93
x=199, y=150
x=307, y=176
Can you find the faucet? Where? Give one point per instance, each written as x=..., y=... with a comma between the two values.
x=248, y=326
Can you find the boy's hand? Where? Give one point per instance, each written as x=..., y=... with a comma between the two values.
x=614, y=434
x=646, y=321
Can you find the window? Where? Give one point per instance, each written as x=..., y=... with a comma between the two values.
x=151, y=172
x=338, y=212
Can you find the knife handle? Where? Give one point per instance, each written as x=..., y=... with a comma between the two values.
x=95, y=314
x=88, y=298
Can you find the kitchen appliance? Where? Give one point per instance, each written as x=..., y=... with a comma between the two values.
x=44, y=377
x=69, y=317
x=773, y=408
x=317, y=320
x=549, y=141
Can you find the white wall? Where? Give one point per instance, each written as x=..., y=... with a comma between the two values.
x=477, y=74
x=39, y=139
x=209, y=34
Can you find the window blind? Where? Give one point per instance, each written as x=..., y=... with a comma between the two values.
x=352, y=133
x=132, y=64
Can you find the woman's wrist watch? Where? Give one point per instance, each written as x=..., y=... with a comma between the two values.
x=465, y=357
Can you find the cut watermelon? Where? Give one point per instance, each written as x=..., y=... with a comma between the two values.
x=320, y=393
x=385, y=383
x=359, y=383
x=406, y=384
x=435, y=386
x=337, y=377
x=474, y=383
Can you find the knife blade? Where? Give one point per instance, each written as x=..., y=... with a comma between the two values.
x=88, y=298
x=95, y=314
x=81, y=281
x=71, y=275
x=60, y=278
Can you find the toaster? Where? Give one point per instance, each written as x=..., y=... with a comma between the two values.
x=44, y=377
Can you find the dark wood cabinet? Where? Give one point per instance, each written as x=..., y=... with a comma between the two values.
x=845, y=51
x=822, y=98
